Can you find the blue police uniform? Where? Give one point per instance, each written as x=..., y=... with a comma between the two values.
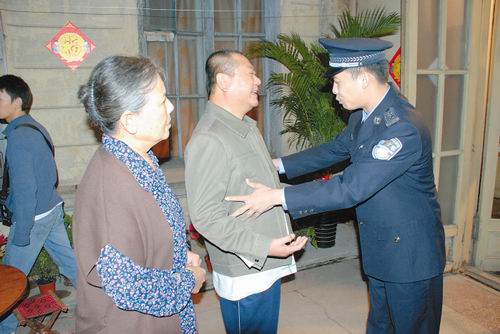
x=390, y=182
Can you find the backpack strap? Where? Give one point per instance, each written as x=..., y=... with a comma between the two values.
x=27, y=125
x=5, y=178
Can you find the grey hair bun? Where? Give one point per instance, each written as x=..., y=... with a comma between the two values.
x=117, y=84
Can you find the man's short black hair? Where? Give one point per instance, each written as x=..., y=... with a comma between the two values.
x=16, y=87
x=219, y=62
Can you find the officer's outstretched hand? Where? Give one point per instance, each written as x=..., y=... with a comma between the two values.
x=262, y=199
x=285, y=246
x=276, y=163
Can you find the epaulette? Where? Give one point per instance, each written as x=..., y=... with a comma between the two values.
x=390, y=116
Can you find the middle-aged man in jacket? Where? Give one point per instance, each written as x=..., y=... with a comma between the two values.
x=37, y=208
x=390, y=182
x=249, y=256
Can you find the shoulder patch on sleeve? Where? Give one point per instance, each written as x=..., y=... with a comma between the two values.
x=390, y=116
x=387, y=149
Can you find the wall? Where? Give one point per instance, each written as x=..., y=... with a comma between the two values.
x=28, y=25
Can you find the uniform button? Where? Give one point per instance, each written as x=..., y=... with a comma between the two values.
x=360, y=223
x=361, y=146
x=397, y=238
x=257, y=260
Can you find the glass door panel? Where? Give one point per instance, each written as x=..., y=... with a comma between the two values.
x=427, y=52
x=452, y=112
x=426, y=100
x=448, y=188
x=455, y=34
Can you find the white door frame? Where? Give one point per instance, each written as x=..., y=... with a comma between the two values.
x=488, y=228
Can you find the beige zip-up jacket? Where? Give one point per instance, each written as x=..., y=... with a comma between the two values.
x=222, y=153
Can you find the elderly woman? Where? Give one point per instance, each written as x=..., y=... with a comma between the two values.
x=135, y=274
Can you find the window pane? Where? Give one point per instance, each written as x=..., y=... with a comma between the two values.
x=170, y=71
x=455, y=34
x=495, y=212
x=256, y=62
x=174, y=141
x=427, y=34
x=426, y=100
x=257, y=113
x=452, y=117
x=189, y=112
x=251, y=16
x=156, y=52
x=448, y=179
x=160, y=15
x=189, y=15
x=225, y=43
x=224, y=16
x=188, y=66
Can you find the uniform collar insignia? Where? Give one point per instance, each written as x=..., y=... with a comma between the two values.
x=390, y=116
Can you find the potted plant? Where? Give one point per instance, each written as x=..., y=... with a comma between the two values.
x=44, y=272
x=303, y=93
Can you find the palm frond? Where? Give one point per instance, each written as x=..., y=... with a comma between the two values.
x=369, y=23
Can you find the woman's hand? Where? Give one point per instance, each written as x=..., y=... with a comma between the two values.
x=193, y=259
x=199, y=276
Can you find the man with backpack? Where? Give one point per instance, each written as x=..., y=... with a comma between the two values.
x=36, y=207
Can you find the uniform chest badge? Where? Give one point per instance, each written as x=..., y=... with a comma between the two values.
x=387, y=149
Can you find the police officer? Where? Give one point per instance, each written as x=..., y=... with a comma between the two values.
x=389, y=181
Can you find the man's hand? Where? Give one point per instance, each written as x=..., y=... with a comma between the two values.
x=276, y=163
x=261, y=200
x=283, y=247
x=199, y=276
x=193, y=259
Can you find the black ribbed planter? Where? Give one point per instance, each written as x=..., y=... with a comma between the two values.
x=326, y=230
x=325, y=227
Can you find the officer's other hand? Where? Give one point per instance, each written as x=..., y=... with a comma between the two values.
x=199, y=276
x=276, y=163
x=283, y=247
x=193, y=259
x=262, y=199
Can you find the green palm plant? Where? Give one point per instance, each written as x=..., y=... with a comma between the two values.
x=309, y=115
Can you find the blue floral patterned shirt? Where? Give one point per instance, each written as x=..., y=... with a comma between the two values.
x=150, y=290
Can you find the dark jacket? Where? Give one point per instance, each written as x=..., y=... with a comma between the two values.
x=32, y=173
x=402, y=237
